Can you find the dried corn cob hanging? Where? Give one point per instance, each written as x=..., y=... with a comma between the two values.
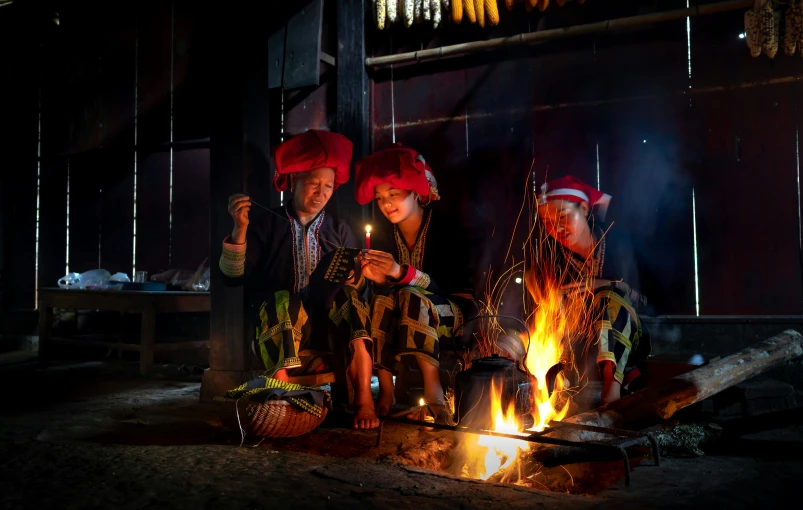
x=426, y=4
x=419, y=11
x=457, y=10
x=794, y=28
x=391, y=10
x=479, y=9
x=468, y=5
x=542, y=5
x=435, y=11
x=510, y=4
x=380, y=12
x=752, y=30
x=408, y=13
x=492, y=11
x=770, y=29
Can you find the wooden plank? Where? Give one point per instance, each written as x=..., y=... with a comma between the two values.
x=303, y=46
x=19, y=161
x=52, y=221
x=276, y=56
x=117, y=47
x=193, y=38
x=643, y=165
x=190, y=232
x=85, y=211
x=748, y=265
x=117, y=205
x=153, y=213
x=155, y=49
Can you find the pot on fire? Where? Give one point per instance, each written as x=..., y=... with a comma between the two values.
x=473, y=390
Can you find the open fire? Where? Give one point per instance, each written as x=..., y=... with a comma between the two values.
x=548, y=358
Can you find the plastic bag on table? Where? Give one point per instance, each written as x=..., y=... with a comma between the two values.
x=70, y=281
x=200, y=280
x=95, y=279
x=117, y=280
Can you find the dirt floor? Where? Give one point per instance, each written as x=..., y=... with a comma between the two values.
x=95, y=435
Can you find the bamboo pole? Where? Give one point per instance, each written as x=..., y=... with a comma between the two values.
x=557, y=33
x=665, y=399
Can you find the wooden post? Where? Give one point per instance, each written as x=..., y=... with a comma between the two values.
x=352, y=98
x=665, y=399
x=238, y=118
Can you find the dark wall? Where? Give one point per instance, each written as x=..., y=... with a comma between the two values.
x=624, y=106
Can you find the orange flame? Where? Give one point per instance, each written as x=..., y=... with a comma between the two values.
x=488, y=454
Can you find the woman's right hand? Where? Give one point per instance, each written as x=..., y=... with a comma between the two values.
x=239, y=205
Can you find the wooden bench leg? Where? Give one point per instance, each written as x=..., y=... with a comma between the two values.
x=147, y=341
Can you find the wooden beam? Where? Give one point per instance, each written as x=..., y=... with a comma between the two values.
x=663, y=400
x=328, y=59
x=556, y=33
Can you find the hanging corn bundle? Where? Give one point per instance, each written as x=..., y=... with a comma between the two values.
x=457, y=11
x=753, y=34
x=794, y=28
x=468, y=6
x=407, y=13
x=435, y=11
x=392, y=5
x=387, y=12
x=770, y=29
x=479, y=8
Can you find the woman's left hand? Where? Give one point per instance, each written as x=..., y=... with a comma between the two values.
x=382, y=263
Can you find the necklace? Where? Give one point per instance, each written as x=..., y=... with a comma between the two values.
x=601, y=258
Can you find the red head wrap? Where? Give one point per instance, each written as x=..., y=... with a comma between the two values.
x=309, y=151
x=400, y=167
x=572, y=189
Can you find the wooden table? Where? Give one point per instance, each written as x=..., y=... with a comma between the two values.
x=147, y=303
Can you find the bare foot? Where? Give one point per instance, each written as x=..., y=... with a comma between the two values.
x=281, y=375
x=365, y=418
x=384, y=403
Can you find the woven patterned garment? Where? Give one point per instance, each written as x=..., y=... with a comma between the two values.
x=262, y=389
x=411, y=321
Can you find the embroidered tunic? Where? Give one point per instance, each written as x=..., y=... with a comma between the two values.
x=280, y=253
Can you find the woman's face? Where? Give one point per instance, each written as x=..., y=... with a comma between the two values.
x=567, y=223
x=396, y=204
x=313, y=189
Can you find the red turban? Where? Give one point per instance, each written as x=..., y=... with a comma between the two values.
x=401, y=167
x=572, y=189
x=310, y=150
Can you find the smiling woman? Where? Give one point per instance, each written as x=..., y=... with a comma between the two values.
x=591, y=264
x=293, y=322
x=422, y=266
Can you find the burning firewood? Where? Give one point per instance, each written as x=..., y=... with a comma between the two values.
x=664, y=400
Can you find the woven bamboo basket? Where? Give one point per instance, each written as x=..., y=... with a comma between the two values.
x=276, y=418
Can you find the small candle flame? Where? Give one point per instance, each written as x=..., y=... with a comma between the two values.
x=368, y=229
x=421, y=402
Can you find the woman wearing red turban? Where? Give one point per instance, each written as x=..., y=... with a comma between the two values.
x=423, y=271
x=284, y=246
x=595, y=264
